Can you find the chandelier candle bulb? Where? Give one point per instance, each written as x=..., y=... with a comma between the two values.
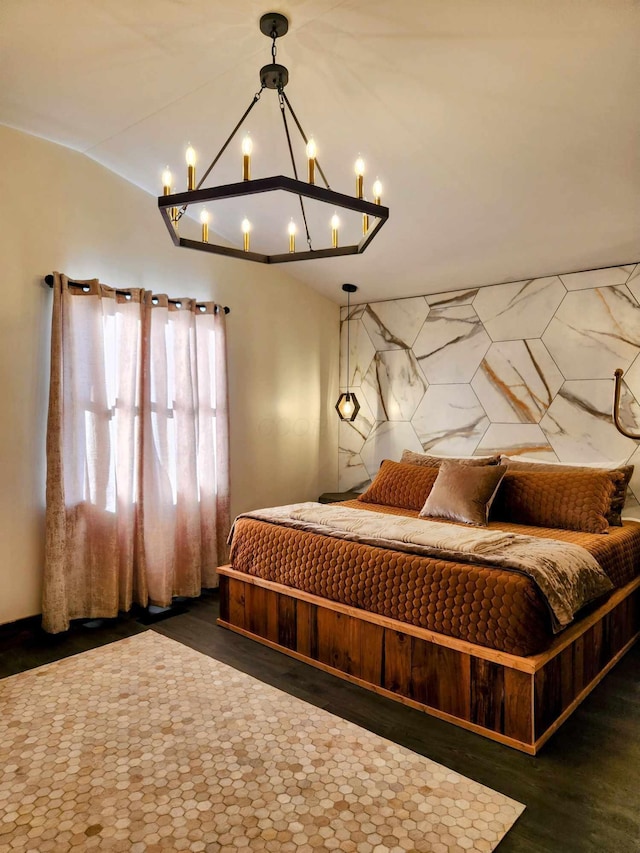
x=167, y=180
x=312, y=152
x=377, y=191
x=335, y=224
x=359, y=168
x=292, y=236
x=204, y=219
x=246, y=229
x=191, y=168
x=247, y=148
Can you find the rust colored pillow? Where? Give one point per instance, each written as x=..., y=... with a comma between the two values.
x=571, y=500
x=614, y=513
x=401, y=485
x=463, y=493
x=412, y=458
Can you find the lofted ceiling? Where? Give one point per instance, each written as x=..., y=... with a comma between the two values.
x=506, y=132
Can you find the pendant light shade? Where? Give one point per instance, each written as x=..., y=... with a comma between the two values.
x=348, y=406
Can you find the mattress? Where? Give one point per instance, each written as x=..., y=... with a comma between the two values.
x=493, y=607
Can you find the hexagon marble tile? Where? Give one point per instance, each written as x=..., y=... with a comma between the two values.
x=394, y=385
x=451, y=344
x=594, y=332
x=519, y=310
x=395, y=325
x=146, y=745
x=450, y=420
x=516, y=381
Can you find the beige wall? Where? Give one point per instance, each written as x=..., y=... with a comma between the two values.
x=59, y=210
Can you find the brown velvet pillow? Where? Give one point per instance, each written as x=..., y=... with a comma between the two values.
x=571, y=500
x=397, y=484
x=463, y=493
x=412, y=458
x=614, y=513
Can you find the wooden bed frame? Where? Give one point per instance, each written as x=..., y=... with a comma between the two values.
x=517, y=701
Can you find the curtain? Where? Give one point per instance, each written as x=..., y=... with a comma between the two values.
x=137, y=451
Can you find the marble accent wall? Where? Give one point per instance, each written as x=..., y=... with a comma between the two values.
x=522, y=368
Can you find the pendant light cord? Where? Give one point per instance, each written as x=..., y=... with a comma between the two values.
x=348, y=338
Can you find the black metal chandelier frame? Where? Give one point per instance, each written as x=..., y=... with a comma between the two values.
x=174, y=206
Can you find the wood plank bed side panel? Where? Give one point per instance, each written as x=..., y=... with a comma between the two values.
x=287, y=622
x=339, y=641
x=224, y=598
x=371, y=653
x=255, y=598
x=518, y=706
x=449, y=684
x=548, y=695
x=307, y=629
x=487, y=694
x=397, y=662
x=237, y=591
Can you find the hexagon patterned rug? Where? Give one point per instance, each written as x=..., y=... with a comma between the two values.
x=147, y=745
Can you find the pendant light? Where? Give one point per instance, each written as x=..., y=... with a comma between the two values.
x=348, y=406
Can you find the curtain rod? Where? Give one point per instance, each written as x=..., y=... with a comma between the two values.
x=49, y=280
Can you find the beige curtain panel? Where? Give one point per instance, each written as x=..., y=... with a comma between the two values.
x=137, y=451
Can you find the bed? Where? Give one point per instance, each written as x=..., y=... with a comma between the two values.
x=458, y=635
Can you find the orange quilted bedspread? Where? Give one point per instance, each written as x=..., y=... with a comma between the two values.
x=492, y=607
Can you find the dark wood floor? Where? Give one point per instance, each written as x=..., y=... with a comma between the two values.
x=582, y=792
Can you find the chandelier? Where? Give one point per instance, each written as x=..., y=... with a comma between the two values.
x=174, y=205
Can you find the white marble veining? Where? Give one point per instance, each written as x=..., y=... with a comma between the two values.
x=519, y=310
x=387, y=440
x=596, y=278
x=355, y=312
x=450, y=420
x=394, y=385
x=516, y=381
x=594, y=332
x=451, y=344
x=361, y=352
x=516, y=439
x=395, y=324
x=579, y=426
x=352, y=475
x=452, y=298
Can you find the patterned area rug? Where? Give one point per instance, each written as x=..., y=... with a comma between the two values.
x=145, y=745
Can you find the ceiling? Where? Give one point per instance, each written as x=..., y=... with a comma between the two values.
x=506, y=132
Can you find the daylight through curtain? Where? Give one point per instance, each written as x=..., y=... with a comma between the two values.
x=137, y=451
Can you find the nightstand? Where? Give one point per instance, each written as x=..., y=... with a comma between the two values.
x=336, y=497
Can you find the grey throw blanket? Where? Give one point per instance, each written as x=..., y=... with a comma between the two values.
x=567, y=575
